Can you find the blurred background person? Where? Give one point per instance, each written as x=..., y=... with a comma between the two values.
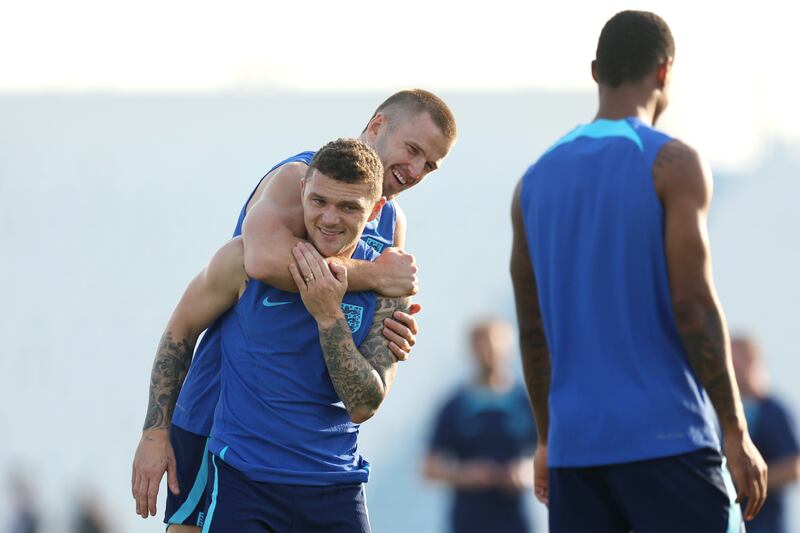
x=24, y=515
x=90, y=514
x=772, y=430
x=483, y=440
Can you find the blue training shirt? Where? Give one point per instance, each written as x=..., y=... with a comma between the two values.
x=621, y=387
x=279, y=419
x=478, y=423
x=194, y=409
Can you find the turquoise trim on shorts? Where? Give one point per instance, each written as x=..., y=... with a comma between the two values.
x=213, y=506
x=195, y=495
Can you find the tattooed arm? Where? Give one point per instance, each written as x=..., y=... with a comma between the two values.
x=209, y=294
x=532, y=342
x=684, y=186
x=361, y=377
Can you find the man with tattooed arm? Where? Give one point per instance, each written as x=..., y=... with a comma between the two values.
x=622, y=336
x=299, y=372
x=412, y=131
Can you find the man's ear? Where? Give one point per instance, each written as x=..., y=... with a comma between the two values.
x=377, y=209
x=662, y=72
x=302, y=189
x=375, y=124
x=594, y=70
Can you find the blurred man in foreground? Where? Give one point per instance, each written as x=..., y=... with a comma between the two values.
x=483, y=441
x=622, y=336
x=773, y=434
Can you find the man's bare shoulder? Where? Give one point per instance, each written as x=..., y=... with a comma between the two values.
x=282, y=184
x=679, y=167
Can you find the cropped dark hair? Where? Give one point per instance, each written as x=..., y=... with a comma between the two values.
x=349, y=161
x=412, y=102
x=632, y=45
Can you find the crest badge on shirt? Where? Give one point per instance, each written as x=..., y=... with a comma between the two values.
x=353, y=314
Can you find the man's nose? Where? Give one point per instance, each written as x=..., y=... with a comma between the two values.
x=330, y=215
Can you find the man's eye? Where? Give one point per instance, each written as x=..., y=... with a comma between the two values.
x=412, y=149
x=317, y=201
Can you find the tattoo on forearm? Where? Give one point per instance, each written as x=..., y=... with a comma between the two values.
x=169, y=370
x=362, y=377
x=354, y=379
x=703, y=335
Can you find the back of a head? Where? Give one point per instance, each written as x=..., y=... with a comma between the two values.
x=412, y=102
x=349, y=161
x=632, y=45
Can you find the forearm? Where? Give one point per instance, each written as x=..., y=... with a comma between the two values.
x=166, y=378
x=361, y=275
x=355, y=380
x=536, y=370
x=267, y=259
x=702, y=330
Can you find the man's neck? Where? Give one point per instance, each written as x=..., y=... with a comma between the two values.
x=627, y=101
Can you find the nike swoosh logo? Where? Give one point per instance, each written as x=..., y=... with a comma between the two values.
x=267, y=303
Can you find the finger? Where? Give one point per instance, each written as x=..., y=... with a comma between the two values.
x=137, y=491
x=300, y=259
x=414, y=309
x=400, y=329
x=172, y=476
x=397, y=339
x=407, y=320
x=298, y=279
x=152, y=494
x=339, y=272
x=133, y=480
x=399, y=354
x=315, y=261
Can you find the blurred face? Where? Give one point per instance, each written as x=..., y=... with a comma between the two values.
x=491, y=345
x=335, y=213
x=410, y=147
x=744, y=363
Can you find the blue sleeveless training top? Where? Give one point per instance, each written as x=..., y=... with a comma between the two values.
x=278, y=418
x=621, y=388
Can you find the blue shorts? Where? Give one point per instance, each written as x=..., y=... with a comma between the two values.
x=689, y=493
x=236, y=503
x=191, y=457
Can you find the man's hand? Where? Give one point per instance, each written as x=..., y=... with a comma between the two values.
x=153, y=457
x=479, y=474
x=401, y=332
x=540, y=474
x=322, y=287
x=397, y=274
x=749, y=472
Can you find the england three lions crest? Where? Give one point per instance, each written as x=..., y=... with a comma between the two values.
x=353, y=314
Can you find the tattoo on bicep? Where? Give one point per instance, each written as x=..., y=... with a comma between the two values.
x=169, y=370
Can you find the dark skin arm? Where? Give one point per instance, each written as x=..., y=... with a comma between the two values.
x=683, y=184
x=532, y=342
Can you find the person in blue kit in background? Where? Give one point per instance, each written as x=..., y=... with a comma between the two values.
x=299, y=371
x=412, y=132
x=622, y=335
x=773, y=432
x=483, y=441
